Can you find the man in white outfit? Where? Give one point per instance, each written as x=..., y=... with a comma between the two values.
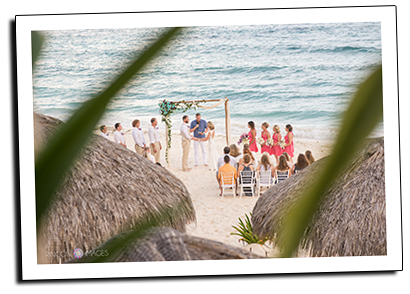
x=103, y=130
x=138, y=136
x=155, y=144
x=118, y=137
x=186, y=142
x=199, y=127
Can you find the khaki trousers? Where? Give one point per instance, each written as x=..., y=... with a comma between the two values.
x=186, y=146
x=156, y=155
x=139, y=149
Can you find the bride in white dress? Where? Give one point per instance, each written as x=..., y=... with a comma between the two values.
x=212, y=152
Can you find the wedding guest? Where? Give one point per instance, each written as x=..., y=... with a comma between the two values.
x=276, y=149
x=265, y=136
x=155, y=143
x=186, y=142
x=118, y=136
x=235, y=154
x=147, y=154
x=282, y=170
x=221, y=161
x=246, y=166
x=287, y=159
x=199, y=127
x=300, y=164
x=265, y=164
x=252, y=137
x=247, y=151
x=138, y=136
x=289, y=142
x=212, y=153
x=103, y=130
x=227, y=167
x=309, y=156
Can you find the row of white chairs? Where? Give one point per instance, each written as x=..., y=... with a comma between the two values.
x=250, y=180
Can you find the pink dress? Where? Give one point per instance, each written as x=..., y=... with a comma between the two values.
x=289, y=149
x=265, y=148
x=253, y=147
x=276, y=150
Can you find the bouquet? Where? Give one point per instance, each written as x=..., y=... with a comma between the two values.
x=260, y=141
x=244, y=139
x=282, y=143
x=269, y=142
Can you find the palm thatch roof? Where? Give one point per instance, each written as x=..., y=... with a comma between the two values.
x=106, y=189
x=166, y=244
x=351, y=218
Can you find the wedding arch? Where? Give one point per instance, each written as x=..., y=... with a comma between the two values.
x=167, y=108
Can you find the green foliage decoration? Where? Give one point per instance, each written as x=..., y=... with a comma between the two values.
x=167, y=108
x=244, y=230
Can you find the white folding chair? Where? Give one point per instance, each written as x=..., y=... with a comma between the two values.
x=247, y=179
x=281, y=176
x=228, y=181
x=265, y=180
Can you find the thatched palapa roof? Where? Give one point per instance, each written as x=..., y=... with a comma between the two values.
x=166, y=244
x=108, y=187
x=351, y=219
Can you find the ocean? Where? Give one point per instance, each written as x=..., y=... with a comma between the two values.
x=298, y=74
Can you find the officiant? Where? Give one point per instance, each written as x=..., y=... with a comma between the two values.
x=199, y=127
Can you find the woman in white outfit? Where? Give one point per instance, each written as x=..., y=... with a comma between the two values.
x=212, y=152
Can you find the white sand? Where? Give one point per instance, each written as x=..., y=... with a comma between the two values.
x=215, y=216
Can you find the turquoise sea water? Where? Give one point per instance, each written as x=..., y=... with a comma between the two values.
x=302, y=74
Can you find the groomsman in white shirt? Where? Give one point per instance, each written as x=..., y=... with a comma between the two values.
x=186, y=142
x=155, y=144
x=118, y=137
x=138, y=136
x=103, y=130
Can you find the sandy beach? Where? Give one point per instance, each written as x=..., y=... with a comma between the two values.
x=215, y=216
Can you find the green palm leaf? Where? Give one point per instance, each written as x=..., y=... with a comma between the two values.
x=363, y=114
x=65, y=145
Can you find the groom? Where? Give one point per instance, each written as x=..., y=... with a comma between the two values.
x=199, y=126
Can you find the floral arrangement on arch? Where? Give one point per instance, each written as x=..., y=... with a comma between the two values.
x=167, y=108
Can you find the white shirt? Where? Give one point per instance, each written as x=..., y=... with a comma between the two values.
x=138, y=136
x=118, y=137
x=153, y=135
x=184, y=131
x=221, y=161
x=104, y=135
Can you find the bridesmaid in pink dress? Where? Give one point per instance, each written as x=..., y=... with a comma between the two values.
x=289, y=142
x=265, y=136
x=276, y=150
x=252, y=137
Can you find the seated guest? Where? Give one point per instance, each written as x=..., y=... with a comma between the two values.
x=309, y=156
x=282, y=170
x=235, y=153
x=300, y=164
x=246, y=166
x=265, y=164
x=287, y=157
x=227, y=167
x=246, y=150
x=103, y=130
x=221, y=160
